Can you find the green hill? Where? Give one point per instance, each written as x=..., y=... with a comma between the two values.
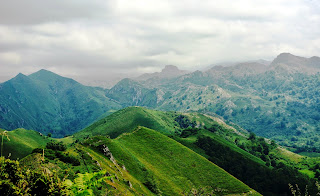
x=21, y=142
x=127, y=119
x=166, y=166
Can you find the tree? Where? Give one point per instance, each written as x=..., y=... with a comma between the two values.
x=252, y=136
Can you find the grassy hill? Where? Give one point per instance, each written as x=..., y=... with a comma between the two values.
x=166, y=166
x=127, y=119
x=22, y=142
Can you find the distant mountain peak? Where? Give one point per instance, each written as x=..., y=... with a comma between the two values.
x=20, y=75
x=285, y=54
x=291, y=62
x=286, y=58
x=44, y=72
x=170, y=69
x=48, y=76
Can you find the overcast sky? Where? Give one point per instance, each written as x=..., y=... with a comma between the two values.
x=99, y=38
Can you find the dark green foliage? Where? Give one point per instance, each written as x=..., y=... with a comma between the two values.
x=252, y=136
x=67, y=158
x=54, y=150
x=215, y=127
x=184, y=122
x=151, y=184
x=53, y=145
x=37, y=150
x=188, y=132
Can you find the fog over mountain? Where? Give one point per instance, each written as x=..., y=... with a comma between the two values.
x=105, y=40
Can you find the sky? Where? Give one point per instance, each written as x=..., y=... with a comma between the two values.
x=106, y=39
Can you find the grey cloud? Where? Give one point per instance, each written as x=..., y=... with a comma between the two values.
x=17, y=12
x=101, y=38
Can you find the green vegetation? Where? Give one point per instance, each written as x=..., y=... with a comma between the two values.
x=128, y=119
x=86, y=184
x=150, y=162
x=15, y=180
x=18, y=180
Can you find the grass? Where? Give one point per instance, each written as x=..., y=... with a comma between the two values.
x=123, y=177
x=66, y=140
x=287, y=155
x=22, y=142
x=310, y=154
x=307, y=172
x=174, y=167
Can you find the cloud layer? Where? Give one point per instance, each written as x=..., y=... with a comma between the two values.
x=97, y=39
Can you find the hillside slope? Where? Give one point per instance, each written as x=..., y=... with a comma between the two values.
x=167, y=166
x=127, y=119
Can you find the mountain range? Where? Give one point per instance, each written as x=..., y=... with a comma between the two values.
x=277, y=101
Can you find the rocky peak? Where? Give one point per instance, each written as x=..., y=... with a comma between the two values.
x=170, y=69
x=291, y=63
x=289, y=59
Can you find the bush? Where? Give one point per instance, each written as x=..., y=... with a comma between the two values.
x=15, y=180
x=188, y=132
x=56, y=146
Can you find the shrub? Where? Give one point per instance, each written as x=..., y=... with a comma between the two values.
x=56, y=146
